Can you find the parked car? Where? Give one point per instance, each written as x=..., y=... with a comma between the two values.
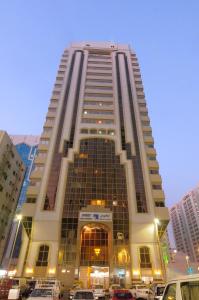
x=43, y=294
x=73, y=290
x=140, y=292
x=182, y=288
x=156, y=292
x=99, y=291
x=53, y=284
x=114, y=287
x=122, y=295
x=84, y=295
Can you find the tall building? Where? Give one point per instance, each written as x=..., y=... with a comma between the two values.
x=26, y=146
x=95, y=208
x=185, y=221
x=11, y=178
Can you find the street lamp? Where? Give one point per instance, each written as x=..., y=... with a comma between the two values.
x=18, y=218
x=187, y=260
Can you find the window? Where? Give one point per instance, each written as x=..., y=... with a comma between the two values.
x=97, y=87
x=145, y=261
x=84, y=130
x=42, y=260
x=190, y=290
x=104, y=103
x=159, y=204
x=150, y=146
x=97, y=112
x=31, y=200
x=147, y=133
x=170, y=293
x=153, y=171
x=95, y=121
x=156, y=187
x=98, y=68
x=98, y=80
x=103, y=95
x=151, y=157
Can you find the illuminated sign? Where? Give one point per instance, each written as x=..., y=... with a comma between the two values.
x=95, y=216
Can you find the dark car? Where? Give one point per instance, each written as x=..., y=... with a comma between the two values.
x=122, y=295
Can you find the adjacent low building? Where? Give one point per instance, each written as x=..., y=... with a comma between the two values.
x=12, y=172
x=26, y=146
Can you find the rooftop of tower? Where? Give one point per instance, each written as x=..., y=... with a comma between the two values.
x=100, y=45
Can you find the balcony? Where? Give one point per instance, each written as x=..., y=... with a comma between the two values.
x=51, y=114
x=53, y=105
x=153, y=164
x=46, y=135
x=28, y=209
x=162, y=213
x=148, y=139
x=98, y=83
x=101, y=91
x=32, y=191
x=36, y=175
x=39, y=160
x=49, y=123
x=158, y=194
x=151, y=151
x=155, y=178
x=94, y=76
x=43, y=147
x=145, y=118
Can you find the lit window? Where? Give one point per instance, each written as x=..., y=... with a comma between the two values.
x=145, y=261
x=98, y=202
x=42, y=260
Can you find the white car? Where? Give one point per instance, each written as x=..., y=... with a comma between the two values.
x=182, y=288
x=53, y=284
x=84, y=295
x=156, y=292
x=43, y=294
x=98, y=290
x=140, y=291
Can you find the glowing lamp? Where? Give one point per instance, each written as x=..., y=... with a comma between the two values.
x=97, y=251
x=29, y=270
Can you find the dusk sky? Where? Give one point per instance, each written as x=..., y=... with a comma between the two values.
x=165, y=36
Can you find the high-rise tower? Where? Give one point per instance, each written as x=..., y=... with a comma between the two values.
x=96, y=191
x=185, y=222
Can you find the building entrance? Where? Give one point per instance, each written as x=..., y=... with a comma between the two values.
x=99, y=276
x=94, y=255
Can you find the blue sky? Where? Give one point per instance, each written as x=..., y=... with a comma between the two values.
x=165, y=36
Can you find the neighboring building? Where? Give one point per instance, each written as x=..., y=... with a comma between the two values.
x=26, y=146
x=96, y=190
x=11, y=178
x=180, y=264
x=185, y=221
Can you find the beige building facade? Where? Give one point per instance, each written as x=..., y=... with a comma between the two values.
x=11, y=178
x=95, y=208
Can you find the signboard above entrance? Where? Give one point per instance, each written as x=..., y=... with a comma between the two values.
x=95, y=216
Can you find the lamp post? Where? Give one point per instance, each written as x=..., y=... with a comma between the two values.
x=18, y=218
x=187, y=261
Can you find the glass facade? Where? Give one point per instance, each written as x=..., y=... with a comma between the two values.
x=27, y=154
x=96, y=174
